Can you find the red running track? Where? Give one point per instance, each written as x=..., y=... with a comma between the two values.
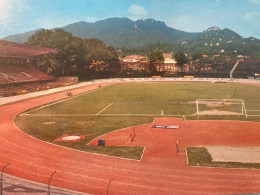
x=157, y=173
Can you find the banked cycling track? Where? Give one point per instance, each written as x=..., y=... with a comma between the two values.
x=161, y=170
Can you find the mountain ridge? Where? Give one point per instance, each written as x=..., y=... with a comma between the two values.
x=22, y=37
x=126, y=33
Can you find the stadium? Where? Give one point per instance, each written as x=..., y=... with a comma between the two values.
x=125, y=135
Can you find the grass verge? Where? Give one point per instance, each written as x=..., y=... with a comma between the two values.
x=199, y=156
x=49, y=128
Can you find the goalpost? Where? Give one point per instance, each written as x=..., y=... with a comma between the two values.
x=220, y=107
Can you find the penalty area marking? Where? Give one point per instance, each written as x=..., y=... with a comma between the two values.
x=104, y=109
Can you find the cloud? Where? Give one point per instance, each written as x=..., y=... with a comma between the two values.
x=249, y=15
x=10, y=16
x=11, y=9
x=255, y=1
x=136, y=11
x=217, y=2
x=91, y=19
x=6, y=8
x=186, y=23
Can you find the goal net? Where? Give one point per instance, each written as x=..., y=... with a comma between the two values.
x=220, y=107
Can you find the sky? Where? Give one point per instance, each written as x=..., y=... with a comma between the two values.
x=241, y=16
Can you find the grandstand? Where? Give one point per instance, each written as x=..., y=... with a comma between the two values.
x=17, y=75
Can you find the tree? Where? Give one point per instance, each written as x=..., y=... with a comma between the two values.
x=74, y=54
x=96, y=50
x=200, y=61
x=196, y=56
x=181, y=58
x=70, y=50
x=155, y=57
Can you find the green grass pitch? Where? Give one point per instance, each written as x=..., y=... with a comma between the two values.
x=127, y=104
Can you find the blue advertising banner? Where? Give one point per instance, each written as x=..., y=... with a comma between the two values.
x=165, y=126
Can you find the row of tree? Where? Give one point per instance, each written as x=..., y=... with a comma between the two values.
x=75, y=55
x=197, y=59
x=156, y=56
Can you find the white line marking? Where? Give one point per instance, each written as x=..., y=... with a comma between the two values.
x=143, y=153
x=74, y=96
x=117, y=157
x=104, y=108
x=153, y=115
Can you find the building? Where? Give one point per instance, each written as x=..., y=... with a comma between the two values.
x=167, y=67
x=98, y=66
x=17, y=75
x=240, y=56
x=134, y=66
x=134, y=58
x=216, y=55
x=168, y=58
x=15, y=66
x=136, y=63
x=18, y=51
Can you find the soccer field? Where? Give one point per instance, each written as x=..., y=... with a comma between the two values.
x=117, y=106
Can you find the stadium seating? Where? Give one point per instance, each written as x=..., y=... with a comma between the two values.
x=16, y=80
x=21, y=88
x=20, y=74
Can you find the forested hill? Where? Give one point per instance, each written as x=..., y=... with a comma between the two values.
x=142, y=36
x=21, y=38
x=210, y=42
x=123, y=32
x=216, y=41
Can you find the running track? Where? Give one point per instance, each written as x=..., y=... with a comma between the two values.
x=157, y=173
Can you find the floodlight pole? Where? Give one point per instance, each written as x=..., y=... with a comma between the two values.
x=50, y=183
x=109, y=185
x=1, y=185
x=233, y=69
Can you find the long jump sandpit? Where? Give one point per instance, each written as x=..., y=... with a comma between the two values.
x=234, y=154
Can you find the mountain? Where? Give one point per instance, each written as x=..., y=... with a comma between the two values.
x=121, y=32
x=215, y=35
x=217, y=41
x=128, y=34
x=21, y=38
